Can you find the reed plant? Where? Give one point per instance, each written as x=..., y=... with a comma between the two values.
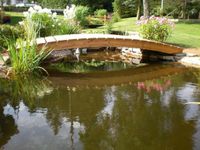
x=24, y=55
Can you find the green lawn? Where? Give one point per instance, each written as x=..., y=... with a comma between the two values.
x=185, y=34
x=15, y=17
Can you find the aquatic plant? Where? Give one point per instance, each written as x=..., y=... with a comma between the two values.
x=24, y=55
x=155, y=28
x=94, y=63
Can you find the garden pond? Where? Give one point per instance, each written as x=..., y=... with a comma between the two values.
x=112, y=107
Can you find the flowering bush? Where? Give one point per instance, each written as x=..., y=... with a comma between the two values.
x=69, y=12
x=78, y=14
x=48, y=23
x=155, y=28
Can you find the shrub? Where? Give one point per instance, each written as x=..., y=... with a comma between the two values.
x=155, y=28
x=65, y=27
x=116, y=17
x=109, y=26
x=100, y=12
x=95, y=21
x=45, y=22
x=8, y=32
x=48, y=22
x=81, y=14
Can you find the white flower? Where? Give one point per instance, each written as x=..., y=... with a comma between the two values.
x=46, y=10
x=37, y=7
x=26, y=14
x=54, y=15
x=31, y=9
x=69, y=12
x=21, y=23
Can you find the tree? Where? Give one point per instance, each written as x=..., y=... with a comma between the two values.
x=117, y=7
x=139, y=5
x=95, y=4
x=146, y=8
x=1, y=11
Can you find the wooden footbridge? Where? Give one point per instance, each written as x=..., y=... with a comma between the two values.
x=60, y=42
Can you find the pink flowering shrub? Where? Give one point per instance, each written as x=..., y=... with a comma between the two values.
x=155, y=28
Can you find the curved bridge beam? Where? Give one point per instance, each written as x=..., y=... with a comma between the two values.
x=60, y=42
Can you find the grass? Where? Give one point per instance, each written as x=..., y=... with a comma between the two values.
x=185, y=34
x=15, y=17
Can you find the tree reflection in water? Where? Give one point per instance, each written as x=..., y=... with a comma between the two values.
x=8, y=128
x=141, y=120
x=125, y=116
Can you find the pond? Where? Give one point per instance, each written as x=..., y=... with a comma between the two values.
x=140, y=108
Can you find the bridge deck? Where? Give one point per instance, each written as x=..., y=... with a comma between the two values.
x=104, y=40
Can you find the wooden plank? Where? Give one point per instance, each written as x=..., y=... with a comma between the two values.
x=50, y=39
x=40, y=41
x=101, y=40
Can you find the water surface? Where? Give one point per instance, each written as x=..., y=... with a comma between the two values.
x=139, y=108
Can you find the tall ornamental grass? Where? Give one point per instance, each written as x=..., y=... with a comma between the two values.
x=155, y=28
x=24, y=55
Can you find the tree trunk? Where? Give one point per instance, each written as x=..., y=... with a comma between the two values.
x=162, y=8
x=146, y=8
x=139, y=9
x=1, y=11
x=184, y=9
x=199, y=15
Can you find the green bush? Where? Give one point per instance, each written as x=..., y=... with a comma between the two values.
x=45, y=22
x=155, y=28
x=65, y=27
x=109, y=27
x=81, y=15
x=100, y=12
x=11, y=33
x=115, y=17
x=49, y=23
x=95, y=21
x=51, y=26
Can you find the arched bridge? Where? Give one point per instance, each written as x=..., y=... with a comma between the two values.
x=60, y=42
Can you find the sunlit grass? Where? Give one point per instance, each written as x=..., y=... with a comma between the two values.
x=186, y=35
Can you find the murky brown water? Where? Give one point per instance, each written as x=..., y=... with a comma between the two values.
x=139, y=108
